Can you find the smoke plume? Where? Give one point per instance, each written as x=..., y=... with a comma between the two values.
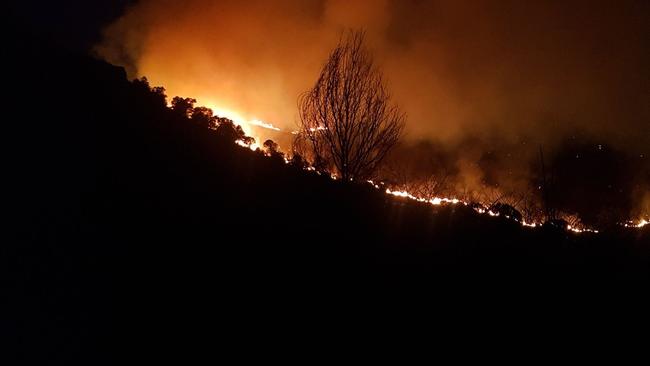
x=476, y=78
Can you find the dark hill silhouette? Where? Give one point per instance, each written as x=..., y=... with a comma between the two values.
x=130, y=225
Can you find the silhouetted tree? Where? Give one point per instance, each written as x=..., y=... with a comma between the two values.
x=247, y=140
x=505, y=209
x=271, y=147
x=203, y=117
x=220, y=120
x=183, y=106
x=156, y=93
x=160, y=92
x=347, y=120
x=297, y=161
x=231, y=132
x=558, y=224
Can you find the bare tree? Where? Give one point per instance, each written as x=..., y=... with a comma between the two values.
x=348, y=123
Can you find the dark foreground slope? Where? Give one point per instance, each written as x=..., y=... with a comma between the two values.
x=133, y=230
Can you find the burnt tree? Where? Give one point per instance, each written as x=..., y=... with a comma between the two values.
x=347, y=121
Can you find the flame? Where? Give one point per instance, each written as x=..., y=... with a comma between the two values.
x=257, y=122
x=580, y=230
x=641, y=223
x=254, y=146
x=436, y=201
x=236, y=117
x=246, y=124
x=313, y=129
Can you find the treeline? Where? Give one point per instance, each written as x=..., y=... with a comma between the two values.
x=604, y=202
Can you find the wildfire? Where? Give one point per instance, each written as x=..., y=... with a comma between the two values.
x=435, y=201
x=257, y=122
x=245, y=123
x=254, y=146
x=579, y=230
x=319, y=128
x=641, y=223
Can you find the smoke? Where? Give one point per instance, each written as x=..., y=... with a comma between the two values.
x=472, y=76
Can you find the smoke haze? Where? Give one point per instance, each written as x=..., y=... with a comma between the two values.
x=471, y=76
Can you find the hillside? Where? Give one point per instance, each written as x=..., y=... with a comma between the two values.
x=122, y=210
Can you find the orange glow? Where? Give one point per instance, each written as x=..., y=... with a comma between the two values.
x=641, y=223
x=257, y=122
x=253, y=146
x=249, y=61
x=579, y=230
x=247, y=124
x=436, y=201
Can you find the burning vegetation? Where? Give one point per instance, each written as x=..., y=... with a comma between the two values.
x=127, y=207
x=526, y=208
x=477, y=115
x=349, y=131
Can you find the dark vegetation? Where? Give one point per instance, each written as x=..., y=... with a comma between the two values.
x=133, y=228
x=582, y=181
x=348, y=122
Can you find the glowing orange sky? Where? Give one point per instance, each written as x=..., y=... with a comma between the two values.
x=517, y=68
x=502, y=71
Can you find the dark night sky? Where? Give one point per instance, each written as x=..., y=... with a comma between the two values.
x=75, y=24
